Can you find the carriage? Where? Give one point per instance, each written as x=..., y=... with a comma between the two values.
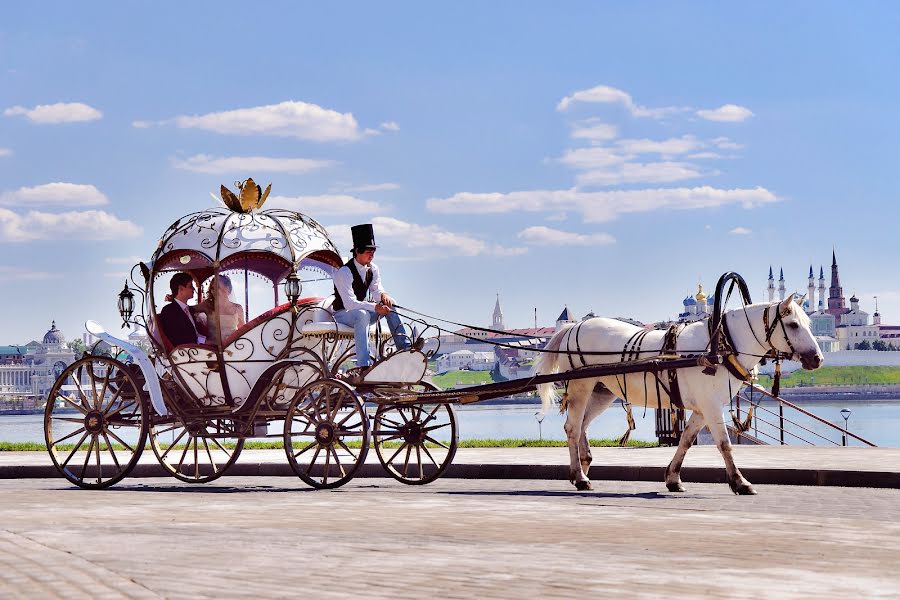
x=286, y=373
x=281, y=374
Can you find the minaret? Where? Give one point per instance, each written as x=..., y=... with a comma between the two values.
x=771, y=288
x=876, y=318
x=811, y=291
x=497, y=322
x=822, y=304
x=836, y=305
x=781, y=290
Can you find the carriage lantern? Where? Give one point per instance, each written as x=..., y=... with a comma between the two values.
x=292, y=288
x=126, y=304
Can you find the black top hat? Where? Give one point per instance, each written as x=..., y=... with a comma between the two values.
x=363, y=237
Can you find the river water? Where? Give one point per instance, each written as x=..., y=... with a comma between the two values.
x=877, y=421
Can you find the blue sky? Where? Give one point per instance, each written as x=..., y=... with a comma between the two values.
x=607, y=156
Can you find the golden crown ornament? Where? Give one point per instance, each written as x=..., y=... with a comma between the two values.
x=249, y=198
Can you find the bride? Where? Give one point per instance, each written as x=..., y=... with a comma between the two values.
x=230, y=315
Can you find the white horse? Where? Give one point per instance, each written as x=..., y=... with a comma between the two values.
x=753, y=331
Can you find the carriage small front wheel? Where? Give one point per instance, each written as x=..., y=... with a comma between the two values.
x=95, y=421
x=326, y=433
x=415, y=443
x=194, y=450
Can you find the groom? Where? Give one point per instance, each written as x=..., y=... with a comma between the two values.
x=176, y=319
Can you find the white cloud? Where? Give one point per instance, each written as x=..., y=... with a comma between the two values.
x=658, y=172
x=731, y=113
x=410, y=241
x=55, y=194
x=390, y=126
x=141, y=124
x=594, y=130
x=326, y=204
x=61, y=112
x=603, y=94
x=705, y=155
x=19, y=274
x=600, y=206
x=554, y=237
x=73, y=225
x=726, y=144
x=740, y=231
x=204, y=163
x=299, y=120
x=5, y=152
x=669, y=147
x=373, y=187
x=595, y=157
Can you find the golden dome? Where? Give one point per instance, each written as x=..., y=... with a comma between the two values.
x=701, y=297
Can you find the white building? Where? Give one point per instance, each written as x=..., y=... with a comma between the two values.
x=32, y=373
x=465, y=360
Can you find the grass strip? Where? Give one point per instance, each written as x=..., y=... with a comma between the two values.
x=278, y=445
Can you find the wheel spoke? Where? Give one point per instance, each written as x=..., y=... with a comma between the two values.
x=73, y=405
x=333, y=414
x=87, y=457
x=327, y=464
x=84, y=398
x=406, y=462
x=428, y=454
x=120, y=440
x=337, y=461
x=121, y=408
x=75, y=449
x=67, y=436
x=209, y=454
x=428, y=438
x=99, y=465
x=173, y=444
x=196, y=458
x=419, y=460
x=105, y=385
x=69, y=419
x=187, y=447
x=436, y=427
x=402, y=446
x=111, y=451
x=306, y=448
x=386, y=420
x=313, y=461
x=221, y=447
x=96, y=402
x=348, y=450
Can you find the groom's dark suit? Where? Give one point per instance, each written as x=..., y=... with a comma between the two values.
x=176, y=325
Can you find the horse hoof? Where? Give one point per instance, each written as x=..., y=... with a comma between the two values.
x=745, y=490
x=675, y=487
x=582, y=486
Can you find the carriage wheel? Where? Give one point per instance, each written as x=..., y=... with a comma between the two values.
x=188, y=452
x=95, y=422
x=415, y=443
x=324, y=424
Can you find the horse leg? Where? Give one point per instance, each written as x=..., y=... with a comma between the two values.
x=688, y=437
x=577, y=404
x=599, y=400
x=736, y=481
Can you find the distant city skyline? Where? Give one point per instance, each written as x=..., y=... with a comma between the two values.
x=604, y=157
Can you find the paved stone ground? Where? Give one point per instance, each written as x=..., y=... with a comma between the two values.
x=274, y=537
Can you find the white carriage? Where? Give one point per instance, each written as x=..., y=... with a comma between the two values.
x=284, y=369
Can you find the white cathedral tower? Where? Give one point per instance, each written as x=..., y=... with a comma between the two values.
x=497, y=322
x=771, y=286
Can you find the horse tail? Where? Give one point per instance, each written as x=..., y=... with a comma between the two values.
x=548, y=363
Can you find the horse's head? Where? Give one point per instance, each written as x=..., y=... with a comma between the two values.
x=788, y=331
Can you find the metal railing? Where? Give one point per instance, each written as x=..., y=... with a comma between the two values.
x=769, y=425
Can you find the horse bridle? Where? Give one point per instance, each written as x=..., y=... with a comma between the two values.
x=769, y=328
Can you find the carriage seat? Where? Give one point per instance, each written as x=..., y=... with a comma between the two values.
x=323, y=323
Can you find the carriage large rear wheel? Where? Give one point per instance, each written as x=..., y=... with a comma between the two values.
x=326, y=433
x=95, y=421
x=194, y=451
x=415, y=443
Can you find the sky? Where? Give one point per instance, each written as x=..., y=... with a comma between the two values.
x=603, y=156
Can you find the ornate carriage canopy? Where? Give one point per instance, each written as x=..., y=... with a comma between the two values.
x=269, y=242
